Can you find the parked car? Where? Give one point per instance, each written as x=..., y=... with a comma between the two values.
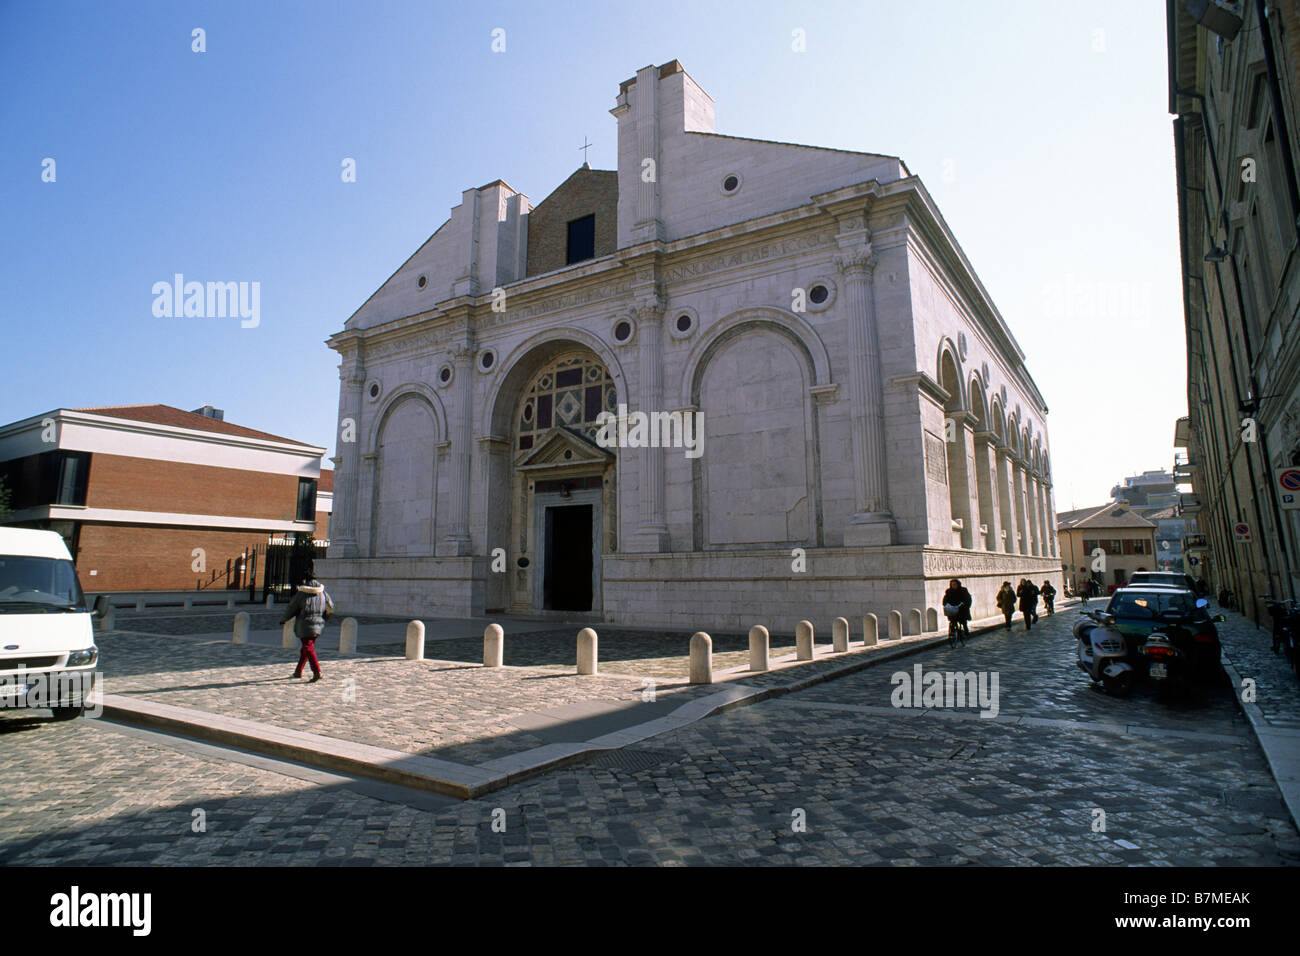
x=1172, y=578
x=1139, y=609
x=47, y=644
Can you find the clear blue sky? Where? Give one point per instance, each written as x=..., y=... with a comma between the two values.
x=1040, y=128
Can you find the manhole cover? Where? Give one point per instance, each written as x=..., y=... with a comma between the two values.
x=628, y=759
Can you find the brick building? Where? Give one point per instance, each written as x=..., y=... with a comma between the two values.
x=150, y=497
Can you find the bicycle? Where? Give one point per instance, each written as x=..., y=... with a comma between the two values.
x=957, y=630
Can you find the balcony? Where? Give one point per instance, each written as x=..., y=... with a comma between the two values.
x=1188, y=504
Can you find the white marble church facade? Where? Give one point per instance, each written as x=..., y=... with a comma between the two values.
x=869, y=428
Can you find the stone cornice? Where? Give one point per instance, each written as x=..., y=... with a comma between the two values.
x=924, y=383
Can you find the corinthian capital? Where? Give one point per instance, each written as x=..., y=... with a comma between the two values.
x=856, y=262
x=352, y=375
x=649, y=308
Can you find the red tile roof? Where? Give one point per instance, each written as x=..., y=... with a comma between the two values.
x=167, y=415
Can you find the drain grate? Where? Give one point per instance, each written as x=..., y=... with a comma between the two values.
x=628, y=759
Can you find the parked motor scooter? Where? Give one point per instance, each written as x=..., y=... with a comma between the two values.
x=1171, y=651
x=1103, y=653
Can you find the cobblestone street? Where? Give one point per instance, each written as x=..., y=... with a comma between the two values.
x=830, y=774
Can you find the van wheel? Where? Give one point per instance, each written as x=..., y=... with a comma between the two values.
x=68, y=713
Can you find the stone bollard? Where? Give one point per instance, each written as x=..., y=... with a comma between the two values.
x=840, y=635
x=931, y=619
x=241, y=629
x=270, y=599
x=286, y=634
x=701, y=658
x=587, y=652
x=187, y=604
x=230, y=602
x=804, y=641
x=914, y=621
x=759, y=644
x=895, y=625
x=494, y=645
x=415, y=641
x=870, y=630
x=348, y=636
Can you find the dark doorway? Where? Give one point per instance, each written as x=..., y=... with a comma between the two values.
x=566, y=583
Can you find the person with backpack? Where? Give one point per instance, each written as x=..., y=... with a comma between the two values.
x=1006, y=601
x=309, y=609
x=1049, y=596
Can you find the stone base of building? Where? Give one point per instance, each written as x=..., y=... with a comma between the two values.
x=713, y=590
x=415, y=586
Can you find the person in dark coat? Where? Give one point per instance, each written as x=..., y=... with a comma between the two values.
x=1007, y=602
x=1049, y=596
x=958, y=597
x=308, y=610
x=1028, y=595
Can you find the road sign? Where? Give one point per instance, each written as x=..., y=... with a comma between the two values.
x=1241, y=531
x=1288, y=486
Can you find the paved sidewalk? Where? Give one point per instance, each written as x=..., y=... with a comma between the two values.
x=451, y=725
x=453, y=711
x=1269, y=695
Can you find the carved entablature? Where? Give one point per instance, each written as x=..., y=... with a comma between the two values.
x=406, y=345
x=964, y=563
x=731, y=260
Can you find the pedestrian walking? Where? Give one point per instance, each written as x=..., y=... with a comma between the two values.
x=309, y=609
x=1049, y=596
x=1028, y=595
x=1006, y=600
x=956, y=605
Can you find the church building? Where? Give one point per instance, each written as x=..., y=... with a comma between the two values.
x=732, y=382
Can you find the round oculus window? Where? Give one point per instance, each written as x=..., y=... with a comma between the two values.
x=444, y=374
x=374, y=390
x=623, y=331
x=421, y=282
x=683, y=323
x=818, y=294
x=731, y=183
x=486, y=358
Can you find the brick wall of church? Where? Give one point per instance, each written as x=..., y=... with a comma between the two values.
x=586, y=192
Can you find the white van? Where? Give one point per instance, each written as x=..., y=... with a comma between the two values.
x=47, y=644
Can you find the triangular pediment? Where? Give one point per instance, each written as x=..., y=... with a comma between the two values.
x=562, y=448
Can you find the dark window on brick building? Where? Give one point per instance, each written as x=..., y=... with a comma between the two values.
x=74, y=472
x=306, y=499
x=50, y=478
x=582, y=239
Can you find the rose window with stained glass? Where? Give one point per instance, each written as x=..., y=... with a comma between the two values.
x=570, y=393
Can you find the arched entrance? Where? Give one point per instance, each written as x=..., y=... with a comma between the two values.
x=562, y=483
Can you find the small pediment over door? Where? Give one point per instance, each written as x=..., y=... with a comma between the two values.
x=561, y=450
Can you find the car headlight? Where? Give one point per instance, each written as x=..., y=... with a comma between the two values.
x=82, y=658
